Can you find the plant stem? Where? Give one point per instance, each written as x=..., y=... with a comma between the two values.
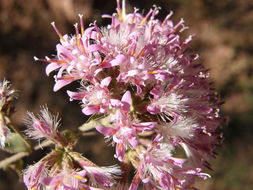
x=4, y=163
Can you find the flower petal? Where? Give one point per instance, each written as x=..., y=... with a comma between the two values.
x=105, y=130
x=61, y=83
x=51, y=67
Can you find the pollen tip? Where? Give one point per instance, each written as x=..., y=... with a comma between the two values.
x=93, y=24
x=53, y=24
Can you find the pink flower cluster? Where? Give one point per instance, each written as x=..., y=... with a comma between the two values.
x=63, y=168
x=136, y=72
x=48, y=174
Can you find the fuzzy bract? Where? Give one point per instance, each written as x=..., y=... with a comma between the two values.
x=44, y=126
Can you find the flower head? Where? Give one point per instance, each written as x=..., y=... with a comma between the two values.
x=138, y=74
x=33, y=174
x=156, y=168
x=73, y=180
x=95, y=98
x=65, y=169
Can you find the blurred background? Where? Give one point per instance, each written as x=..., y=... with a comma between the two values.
x=224, y=41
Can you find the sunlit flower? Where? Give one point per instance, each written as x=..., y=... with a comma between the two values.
x=95, y=98
x=67, y=180
x=34, y=173
x=136, y=72
x=157, y=169
x=123, y=129
x=97, y=176
x=65, y=169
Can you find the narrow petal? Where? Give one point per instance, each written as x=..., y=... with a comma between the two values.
x=127, y=97
x=106, y=130
x=95, y=47
x=145, y=126
x=115, y=102
x=119, y=59
x=51, y=67
x=61, y=83
x=75, y=95
x=120, y=151
x=89, y=110
x=105, y=82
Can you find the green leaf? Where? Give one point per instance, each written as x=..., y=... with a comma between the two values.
x=15, y=144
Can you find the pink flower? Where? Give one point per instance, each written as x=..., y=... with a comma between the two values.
x=77, y=57
x=45, y=125
x=123, y=129
x=103, y=177
x=168, y=105
x=33, y=174
x=68, y=180
x=157, y=169
x=137, y=74
x=95, y=98
x=65, y=169
x=190, y=106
